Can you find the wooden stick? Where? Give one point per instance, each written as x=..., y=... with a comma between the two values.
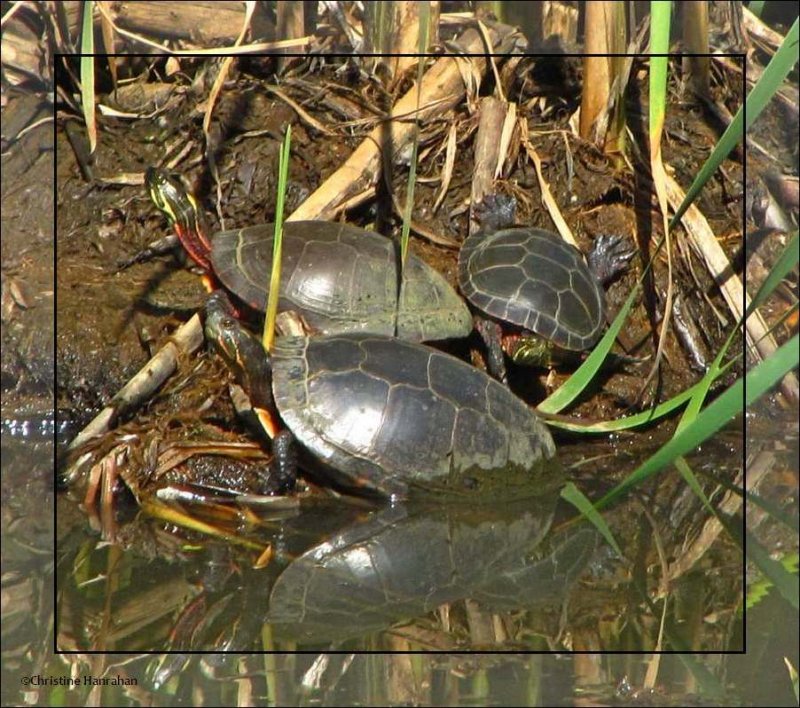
x=186, y=340
x=487, y=153
x=442, y=89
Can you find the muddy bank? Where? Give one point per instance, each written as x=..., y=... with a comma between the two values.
x=107, y=322
x=28, y=288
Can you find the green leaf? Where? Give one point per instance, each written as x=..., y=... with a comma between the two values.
x=576, y=383
x=767, y=86
x=719, y=412
x=581, y=502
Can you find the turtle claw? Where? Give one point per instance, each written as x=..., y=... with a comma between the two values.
x=160, y=247
x=609, y=257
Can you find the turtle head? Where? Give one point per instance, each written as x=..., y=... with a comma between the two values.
x=241, y=351
x=182, y=212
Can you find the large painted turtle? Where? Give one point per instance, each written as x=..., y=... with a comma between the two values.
x=380, y=415
x=534, y=280
x=338, y=277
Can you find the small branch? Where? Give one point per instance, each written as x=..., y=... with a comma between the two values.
x=186, y=340
x=442, y=89
x=487, y=153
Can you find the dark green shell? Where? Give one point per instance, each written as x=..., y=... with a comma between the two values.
x=534, y=279
x=392, y=416
x=341, y=279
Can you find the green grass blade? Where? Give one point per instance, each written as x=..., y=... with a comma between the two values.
x=409, y=206
x=782, y=319
x=638, y=419
x=719, y=412
x=660, y=14
x=694, y=484
x=87, y=74
x=422, y=46
x=268, y=337
x=783, y=266
x=708, y=685
x=382, y=22
x=572, y=388
x=756, y=7
x=704, y=385
x=576, y=383
x=774, y=511
x=793, y=677
x=787, y=584
x=767, y=86
x=581, y=502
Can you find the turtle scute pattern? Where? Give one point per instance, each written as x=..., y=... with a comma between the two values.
x=341, y=278
x=393, y=415
x=534, y=279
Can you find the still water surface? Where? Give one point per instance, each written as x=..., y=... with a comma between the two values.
x=352, y=580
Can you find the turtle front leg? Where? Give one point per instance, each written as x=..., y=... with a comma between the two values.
x=283, y=469
x=492, y=336
x=609, y=257
x=496, y=211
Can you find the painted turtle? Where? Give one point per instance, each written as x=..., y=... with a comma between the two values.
x=338, y=277
x=533, y=279
x=380, y=415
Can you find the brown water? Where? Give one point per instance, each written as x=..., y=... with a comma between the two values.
x=130, y=596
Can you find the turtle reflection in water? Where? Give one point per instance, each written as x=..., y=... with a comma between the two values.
x=338, y=277
x=403, y=562
x=379, y=415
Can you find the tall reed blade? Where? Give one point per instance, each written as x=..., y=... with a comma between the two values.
x=767, y=86
x=273, y=296
x=412, y=172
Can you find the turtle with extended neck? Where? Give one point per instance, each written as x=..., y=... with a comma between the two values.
x=338, y=277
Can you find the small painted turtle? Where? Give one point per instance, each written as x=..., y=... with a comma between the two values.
x=381, y=415
x=533, y=279
x=338, y=277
